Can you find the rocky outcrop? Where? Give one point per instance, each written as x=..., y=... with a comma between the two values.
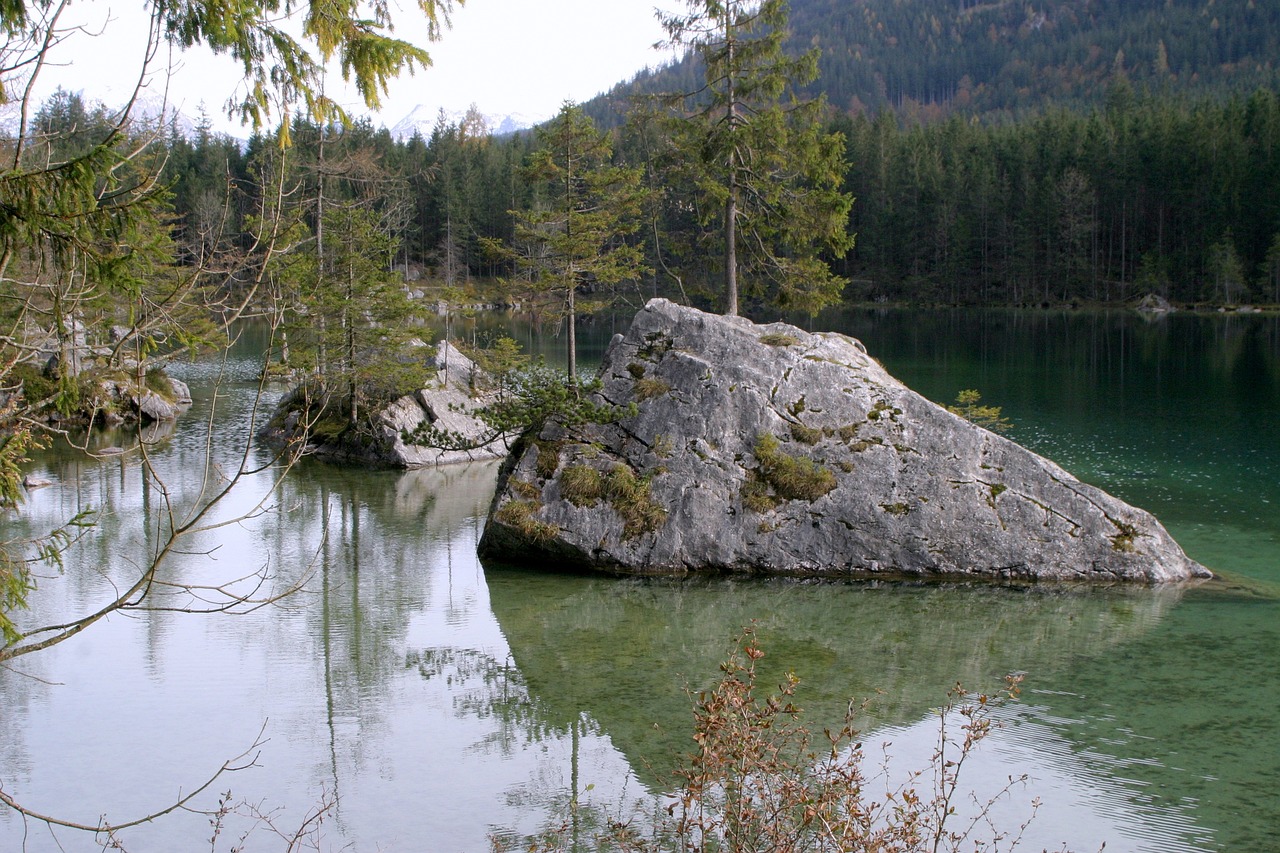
x=123, y=398
x=766, y=449
x=449, y=404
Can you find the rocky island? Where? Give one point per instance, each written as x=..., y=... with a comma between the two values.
x=764, y=449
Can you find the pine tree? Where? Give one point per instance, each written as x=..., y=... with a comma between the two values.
x=575, y=235
x=769, y=171
x=362, y=352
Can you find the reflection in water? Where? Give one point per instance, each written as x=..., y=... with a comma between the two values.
x=445, y=702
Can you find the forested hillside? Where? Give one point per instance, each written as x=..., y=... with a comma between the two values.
x=1180, y=199
x=1112, y=187
x=1005, y=59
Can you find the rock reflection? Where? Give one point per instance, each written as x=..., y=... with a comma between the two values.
x=628, y=653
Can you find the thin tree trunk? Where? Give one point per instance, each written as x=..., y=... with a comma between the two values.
x=731, y=204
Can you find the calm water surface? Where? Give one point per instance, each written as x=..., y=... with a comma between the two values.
x=444, y=703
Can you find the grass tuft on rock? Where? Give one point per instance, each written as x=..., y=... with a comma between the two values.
x=548, y=460
x=806, y=434
x=650, y=387
x=581, y=485
x=519, y=516
x=629, y=495
x=793, y=478
x=620, y=487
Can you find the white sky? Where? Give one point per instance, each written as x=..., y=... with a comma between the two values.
x=508, y=56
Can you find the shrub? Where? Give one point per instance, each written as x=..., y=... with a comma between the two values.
x=157, y=380
x=36, y=386
x=759, y=780
x=987, y=417
x=794, y=478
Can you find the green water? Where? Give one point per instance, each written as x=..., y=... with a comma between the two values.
x=444, y=702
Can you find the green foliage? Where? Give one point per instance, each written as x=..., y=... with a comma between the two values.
x=14, y=448
x=792, y=478
x=36, y=385
x=778, y=339
x=499, y=360
x=279, y=68
x=967, y=406
x=574, y=234
x=765, y=169
x=90, y=237
x=1104, y=205
x=18, y=557
x=526, y=398
x=355, y=330
x=931, y=59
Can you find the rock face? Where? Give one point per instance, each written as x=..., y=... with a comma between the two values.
x=448, y=403
x=127, y=399
x=766, y=449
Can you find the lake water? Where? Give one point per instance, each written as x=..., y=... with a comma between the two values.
x=444, y=703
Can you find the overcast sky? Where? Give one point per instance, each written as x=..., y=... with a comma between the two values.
x=507, y=56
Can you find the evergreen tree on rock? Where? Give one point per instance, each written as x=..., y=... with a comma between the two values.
x=764, y=165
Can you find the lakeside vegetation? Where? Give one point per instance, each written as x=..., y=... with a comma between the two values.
x=1146, y=194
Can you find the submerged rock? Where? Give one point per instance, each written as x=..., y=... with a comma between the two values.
x=769, y=450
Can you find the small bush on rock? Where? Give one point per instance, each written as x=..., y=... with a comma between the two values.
x=794, y=478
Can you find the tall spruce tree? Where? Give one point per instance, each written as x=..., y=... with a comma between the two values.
x=769, y=171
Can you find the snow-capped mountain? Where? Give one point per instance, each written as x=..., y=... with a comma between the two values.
x=422, y=119
x=149, y=112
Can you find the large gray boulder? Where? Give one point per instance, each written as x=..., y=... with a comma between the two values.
x=766, y=449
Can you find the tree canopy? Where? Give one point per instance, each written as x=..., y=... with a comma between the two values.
x=761, y=159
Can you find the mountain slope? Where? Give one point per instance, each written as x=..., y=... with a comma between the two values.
x=1011, y=57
